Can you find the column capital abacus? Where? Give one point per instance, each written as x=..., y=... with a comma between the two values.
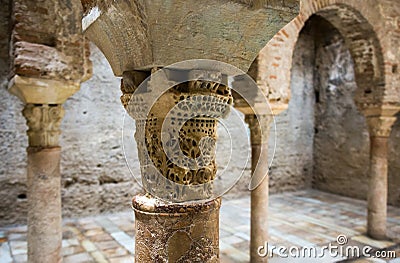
x=380, y=126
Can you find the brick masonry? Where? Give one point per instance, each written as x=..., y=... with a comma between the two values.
x=371, y=31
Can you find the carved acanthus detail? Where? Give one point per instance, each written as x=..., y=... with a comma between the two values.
x=44, y=122
x=380, y=126
x=259, y=128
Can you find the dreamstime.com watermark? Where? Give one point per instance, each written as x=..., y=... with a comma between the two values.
x=333, y=251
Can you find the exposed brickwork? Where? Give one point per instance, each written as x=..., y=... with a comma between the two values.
x=47, y=41
x=371, y=31
x=274, y=65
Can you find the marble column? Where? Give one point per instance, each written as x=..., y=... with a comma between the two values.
x=44, y=182
x=259, y=132
x=181, y=167
x=379, y=129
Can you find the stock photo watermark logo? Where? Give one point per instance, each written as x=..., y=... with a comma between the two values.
x=174, y=114
x=340, y=249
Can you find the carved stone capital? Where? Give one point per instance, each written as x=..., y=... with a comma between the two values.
x=380, y=126
x=259, y=128
x=44, y=122
x=176, y=132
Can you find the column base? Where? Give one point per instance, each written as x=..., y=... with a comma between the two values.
x=169, y=232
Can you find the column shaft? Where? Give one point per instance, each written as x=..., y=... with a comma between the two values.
x=44, y=201
x=379, y=130
x=176, y=232
x=378, y=188
x=259, y=208
x=259, y=132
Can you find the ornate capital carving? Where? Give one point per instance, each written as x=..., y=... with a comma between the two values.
x=176, y=133
x=259, y=128
x=44, y=122
x=380, y=126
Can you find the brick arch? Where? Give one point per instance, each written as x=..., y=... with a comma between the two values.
x=360, y=25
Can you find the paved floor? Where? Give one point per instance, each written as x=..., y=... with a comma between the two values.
x=307, y=219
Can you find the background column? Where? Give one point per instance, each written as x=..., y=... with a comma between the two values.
x=379, y=128
x=49, y=60
x=259, y=131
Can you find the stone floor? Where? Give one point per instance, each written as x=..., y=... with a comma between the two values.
x=301, y=219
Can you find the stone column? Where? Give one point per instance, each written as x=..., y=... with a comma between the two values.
x=379, y=129
x=259, y=132
x=44, y=112
x=137, y=36
x=176, y=145
x=44, y=182
x=49, y=60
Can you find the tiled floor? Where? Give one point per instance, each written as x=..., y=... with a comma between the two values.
x=301, y=219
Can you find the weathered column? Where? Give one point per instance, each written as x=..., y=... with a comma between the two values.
x=259, y=131
x=269, y=100
x=43, y=168
x=44, y=182
x=49, y=60
x=175, y=156
x=176, y=232
x=379, y=129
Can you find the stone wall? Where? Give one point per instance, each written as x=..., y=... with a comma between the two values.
x=341, y=142
x=293, y=164
x=12, y=137
x=95, y=177
x=394, y=165
x=4, y=40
